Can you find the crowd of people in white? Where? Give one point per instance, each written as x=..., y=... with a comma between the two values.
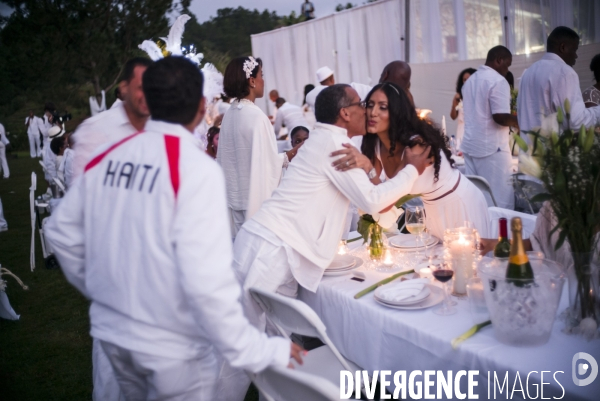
x=145, y=229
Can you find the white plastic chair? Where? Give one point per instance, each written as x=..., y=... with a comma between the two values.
x=33, y=216
x=282, y=384
x=484, y=187
x=60, y=184
x=526, y=187
x=528, y=220
x=294, y=316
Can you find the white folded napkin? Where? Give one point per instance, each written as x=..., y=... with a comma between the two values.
x=402, y=291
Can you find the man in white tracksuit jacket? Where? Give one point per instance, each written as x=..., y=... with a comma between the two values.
x=144, y=234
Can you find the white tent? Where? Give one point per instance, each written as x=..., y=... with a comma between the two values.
x=439, y=38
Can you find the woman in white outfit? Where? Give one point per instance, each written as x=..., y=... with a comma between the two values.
x=247, y=145
x=449, y=198
x=456, y=112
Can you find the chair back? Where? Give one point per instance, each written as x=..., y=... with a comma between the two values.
x=282, y=384
x=484, y=187
x=526, y=187
x=32, y=218
x=292, y=315
x=528, y=220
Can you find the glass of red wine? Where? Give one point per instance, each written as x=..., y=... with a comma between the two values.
x=443, y=273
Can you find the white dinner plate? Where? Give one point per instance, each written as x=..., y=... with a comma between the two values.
x=341, y=262
x=435, y=297
x=407, y=301
x=409, y=241
x=358, y=262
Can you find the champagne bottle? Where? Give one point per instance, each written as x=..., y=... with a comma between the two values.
x=519, y=271
x=502, y=248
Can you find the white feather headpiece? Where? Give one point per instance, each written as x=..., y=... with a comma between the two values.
x=213, y=82
x=152, y=49
x=173, y=41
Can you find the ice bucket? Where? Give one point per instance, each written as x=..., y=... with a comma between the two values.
x=522, y=315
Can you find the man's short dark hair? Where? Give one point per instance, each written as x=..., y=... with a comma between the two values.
x=128, y=70
x=330, y=101
x=173, y=89
x=49, y=106
x=498, y=52
x=279, y=102
x=235, y=83
x=559, y=35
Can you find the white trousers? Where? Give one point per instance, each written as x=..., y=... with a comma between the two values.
x=263, y=264
x=106, y=386
x=3, y=224
x=3, y=163
x=35, y=148
x=144, y=377
x=497, y=170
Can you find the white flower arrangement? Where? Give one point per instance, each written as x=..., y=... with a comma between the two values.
x=249, y=66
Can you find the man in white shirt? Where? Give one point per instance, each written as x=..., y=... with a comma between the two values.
x=126, y=118
x=3, y=143
x=289, y=115
x=131, y=235
x=550, y=81
x=121, y=121
x=486, y=105
x=33, y=133
x=3, y=224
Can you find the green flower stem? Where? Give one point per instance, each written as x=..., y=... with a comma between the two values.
x=380, y=283
x=458, y=340
x=353, y=239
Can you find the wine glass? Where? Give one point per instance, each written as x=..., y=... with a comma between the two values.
x=443, y=274
x=415, y=224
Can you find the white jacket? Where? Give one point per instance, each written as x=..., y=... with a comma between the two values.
x=308, y=209
x=144, y=234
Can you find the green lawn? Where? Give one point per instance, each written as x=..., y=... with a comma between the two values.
x=46, y=355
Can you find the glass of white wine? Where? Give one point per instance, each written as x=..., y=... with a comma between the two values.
x=415, y=224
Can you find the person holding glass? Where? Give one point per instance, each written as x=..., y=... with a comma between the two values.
x=449, y=198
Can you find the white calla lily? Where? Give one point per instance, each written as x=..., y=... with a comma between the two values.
x=529, y=165
x=549, y=125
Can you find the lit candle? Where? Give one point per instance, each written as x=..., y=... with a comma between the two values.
x=461, y=252
x=342, y=250
x=423, y=113
x=387, y=259
x=426, y=273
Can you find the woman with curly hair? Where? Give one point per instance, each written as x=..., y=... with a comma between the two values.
x=212, y=138
x=449, y=198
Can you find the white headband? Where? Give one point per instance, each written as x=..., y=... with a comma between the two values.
x=249, y=66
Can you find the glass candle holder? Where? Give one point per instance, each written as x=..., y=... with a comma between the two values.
x=376, y=245
x=460, y=252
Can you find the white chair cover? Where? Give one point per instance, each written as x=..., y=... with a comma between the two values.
x=527, y=219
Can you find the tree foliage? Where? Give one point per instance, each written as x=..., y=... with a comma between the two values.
x=51, y=48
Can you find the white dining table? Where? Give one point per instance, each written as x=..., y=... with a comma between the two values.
x=379, y=338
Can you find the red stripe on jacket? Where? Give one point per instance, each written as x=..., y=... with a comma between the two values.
x=172, y=147
x=96, y=160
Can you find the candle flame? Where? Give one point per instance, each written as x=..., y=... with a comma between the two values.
x=388, y=257
x=342, y=249
x=461, y=240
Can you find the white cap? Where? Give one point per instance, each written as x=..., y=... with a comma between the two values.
x=323, y=73
x=55, y=132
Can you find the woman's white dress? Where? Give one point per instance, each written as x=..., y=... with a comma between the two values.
x=465, y=203
x=249, y=158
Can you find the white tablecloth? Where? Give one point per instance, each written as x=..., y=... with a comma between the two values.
x=379, y=338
